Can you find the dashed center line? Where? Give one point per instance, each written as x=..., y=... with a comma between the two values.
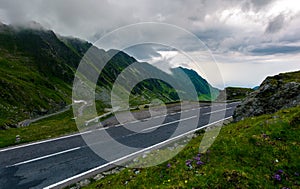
x=217, y=111
x=168, y=123
x=44, y=157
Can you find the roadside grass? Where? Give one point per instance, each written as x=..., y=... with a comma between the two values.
x=258, y=152
x=51, y=127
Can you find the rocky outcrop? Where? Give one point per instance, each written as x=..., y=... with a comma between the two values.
x=275, y=93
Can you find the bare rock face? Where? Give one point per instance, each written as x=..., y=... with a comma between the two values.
x=274, y=93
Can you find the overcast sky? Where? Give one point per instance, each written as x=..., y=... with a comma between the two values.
x=250, y=39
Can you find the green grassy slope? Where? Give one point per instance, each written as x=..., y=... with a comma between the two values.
x=259, y=152
x=288, y=77
x=55, y=126
x=34, y=78
x=204, y=90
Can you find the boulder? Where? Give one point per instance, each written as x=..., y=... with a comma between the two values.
x=274, y=93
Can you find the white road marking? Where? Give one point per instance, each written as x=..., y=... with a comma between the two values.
x=136, y=121
x=217, y=111
x=129, y=155
x=102, y=128
x=168, y=123
x=44, y=157
x=43, y=141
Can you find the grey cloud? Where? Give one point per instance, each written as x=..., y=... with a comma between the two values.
x=259, y=4
x=246, y=29
x=163, y=64
x=92, y=19
x=270, y=50
x=276, y=24
x=256, y=5
x=143, y=52
x=15, y=13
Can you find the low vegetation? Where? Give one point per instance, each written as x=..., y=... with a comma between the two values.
x=51, y=127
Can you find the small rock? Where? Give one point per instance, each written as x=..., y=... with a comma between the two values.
x=114, y=171
x=144, y=156
x=135, y=159
x=106, y=173
x=171, y=148
x=99, y=177
x=84, y=182
x=75, y=187
x=18, y=138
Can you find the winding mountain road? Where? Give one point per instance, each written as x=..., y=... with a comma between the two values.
x=56, y=162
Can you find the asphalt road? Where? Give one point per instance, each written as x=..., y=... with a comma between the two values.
x=45, y=163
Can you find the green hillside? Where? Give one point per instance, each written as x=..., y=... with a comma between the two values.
x=37, y=71
x=204, y=90
x=287, y=77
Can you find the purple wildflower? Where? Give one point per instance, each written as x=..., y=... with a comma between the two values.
x=199, y=163
x=168, y=165
x=197, y=158
x=199, y=154
x=277, y=177
x=285, y=187
x=264, y=135
x=188, y=162
x=280, y=171
x=296, y=174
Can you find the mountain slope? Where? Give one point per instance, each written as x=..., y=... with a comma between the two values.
x=37, y=71
x=204, y=90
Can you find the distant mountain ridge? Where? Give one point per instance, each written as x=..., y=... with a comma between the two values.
x=234, y=93
x=37, y=71
x=204, y=90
